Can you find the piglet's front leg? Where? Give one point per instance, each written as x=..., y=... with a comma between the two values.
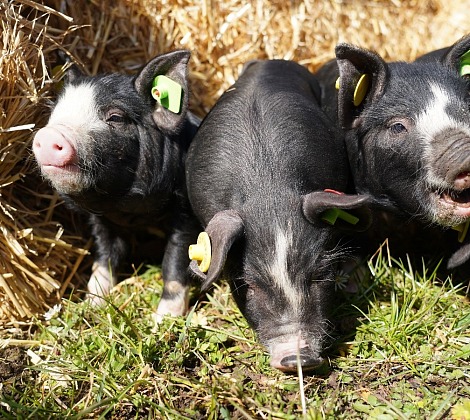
x=102, y=280
x=176, y=279
x=110, y=250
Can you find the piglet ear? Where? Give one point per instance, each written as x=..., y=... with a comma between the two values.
x=363, y=76
x=73, y=72
x=223, y=229
x=349, y=212
x=459, y=257
x=174, y=66
x=458, y=56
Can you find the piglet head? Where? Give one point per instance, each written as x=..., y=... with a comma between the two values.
x=408, y=131
x=281, y=272
x=107, y=131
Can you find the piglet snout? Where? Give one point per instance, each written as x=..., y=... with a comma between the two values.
x=51, y=148
x=285, y=355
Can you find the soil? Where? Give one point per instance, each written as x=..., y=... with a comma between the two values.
x=13, y=361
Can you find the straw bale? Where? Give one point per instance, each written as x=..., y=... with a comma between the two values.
x=37, y=258
x=40, y=253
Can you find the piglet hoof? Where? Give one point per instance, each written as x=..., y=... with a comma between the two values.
x=174, y=302
x=100, y=283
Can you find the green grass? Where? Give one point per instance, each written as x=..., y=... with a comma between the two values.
x=403, y=352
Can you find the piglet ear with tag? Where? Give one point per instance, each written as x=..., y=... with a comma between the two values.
x=164, y=81
x=347, y=212
x=362, y=78
x=458, y=56
x=223, y=230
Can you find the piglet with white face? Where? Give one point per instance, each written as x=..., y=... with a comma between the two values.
x=112, y=149
x=407, y=132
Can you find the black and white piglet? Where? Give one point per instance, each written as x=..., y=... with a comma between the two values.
x=407, y=132
x=256, y=172
x=112, y=150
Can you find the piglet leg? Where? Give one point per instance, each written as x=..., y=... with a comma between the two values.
x=110, y=250
x=100, y=284
x=176, y=279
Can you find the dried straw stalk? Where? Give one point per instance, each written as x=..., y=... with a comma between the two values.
x=36, y=257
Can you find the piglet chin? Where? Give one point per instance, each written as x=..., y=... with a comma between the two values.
x=453, y=208
x=65, y=179
x=286, y=354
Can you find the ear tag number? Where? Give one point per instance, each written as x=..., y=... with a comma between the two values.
x=201, y=252
x=167, y=93
x=361, y=89
x=462, y=230
x=464, y=68
x=330, y=216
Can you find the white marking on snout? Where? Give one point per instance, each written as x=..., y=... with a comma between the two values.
x=278, y=269
x=77, y=110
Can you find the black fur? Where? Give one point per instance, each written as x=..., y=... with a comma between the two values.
x=260, y=152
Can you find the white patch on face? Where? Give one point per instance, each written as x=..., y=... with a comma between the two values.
x=77, y=111
x=278, y=269
x=435, y=119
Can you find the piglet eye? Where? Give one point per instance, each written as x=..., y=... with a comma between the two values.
x=397, y=128
x=116, y=117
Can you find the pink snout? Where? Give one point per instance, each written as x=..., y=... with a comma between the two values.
x=51, y=148
x=286, y=355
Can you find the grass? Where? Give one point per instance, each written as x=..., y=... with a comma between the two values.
x=402, y=351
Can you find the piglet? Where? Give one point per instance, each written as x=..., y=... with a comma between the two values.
x=407, y=133
x=114, y=147
x=256, y=174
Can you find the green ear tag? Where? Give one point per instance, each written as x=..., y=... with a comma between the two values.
x=462, y=229
x=167, y=93
x=331, y=215
x=464, y=69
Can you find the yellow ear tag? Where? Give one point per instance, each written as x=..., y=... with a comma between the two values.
x=337, y=83
x=201, y=252
x=462, y=229
x=361, y=89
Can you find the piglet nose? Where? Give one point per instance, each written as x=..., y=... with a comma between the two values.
x=307, y=361
x=51, y=148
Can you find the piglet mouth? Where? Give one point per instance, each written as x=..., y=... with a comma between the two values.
x=456, y=198
x=452, y=206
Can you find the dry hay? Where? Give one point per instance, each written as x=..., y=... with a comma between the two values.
x=39, y=258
